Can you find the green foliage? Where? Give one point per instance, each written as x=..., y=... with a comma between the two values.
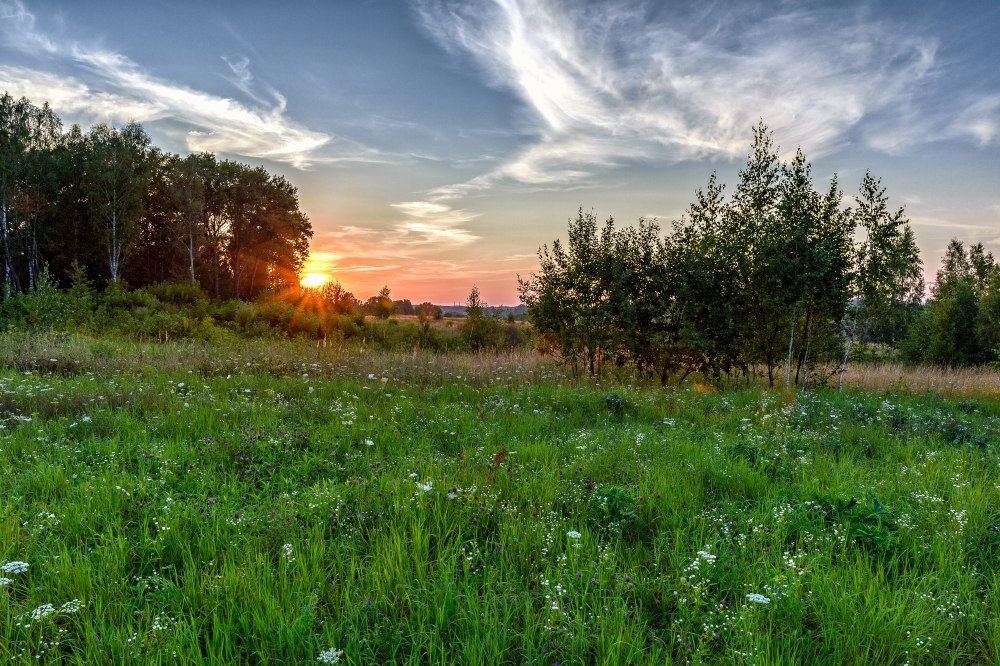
x=480, y=330
x=612, y=508
x=961, y=323
x=615, y=403
x=413, y=507
x=737, y=285
x=108, y=204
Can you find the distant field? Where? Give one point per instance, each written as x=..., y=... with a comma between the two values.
x=283, y=502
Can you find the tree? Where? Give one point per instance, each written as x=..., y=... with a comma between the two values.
x=403, y=306
x=886, y=264
x=568, y=300
x=480, y=330
x=958, y=326
x=187, y=203
x=427, y=311
x=338, y=299
x=117, y=175
x=380, y=305
x=28, y=135
x=707, y=275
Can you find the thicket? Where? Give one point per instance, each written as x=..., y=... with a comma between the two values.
x=779, y=280
x=183, y=311
x=960, y=324
x=110, y=206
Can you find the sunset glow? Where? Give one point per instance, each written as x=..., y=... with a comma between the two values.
x=314, y=280
x=448, y=159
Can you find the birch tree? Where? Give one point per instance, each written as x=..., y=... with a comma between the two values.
x=117, y=175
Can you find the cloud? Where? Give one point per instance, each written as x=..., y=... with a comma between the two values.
x=105, y=86
x=980, y=120
x=611, y=83
x=433, y=222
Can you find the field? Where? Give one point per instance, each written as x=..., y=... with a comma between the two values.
x=281, y=503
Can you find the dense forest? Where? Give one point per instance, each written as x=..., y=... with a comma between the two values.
x=102, y=231
x=106, y=205
x=780, y=279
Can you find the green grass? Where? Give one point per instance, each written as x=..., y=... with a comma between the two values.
x=266, y=504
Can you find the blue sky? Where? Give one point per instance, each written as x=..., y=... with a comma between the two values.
x=437, y=143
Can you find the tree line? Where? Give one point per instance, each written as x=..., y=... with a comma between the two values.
x=779, y=279
x=107, y=205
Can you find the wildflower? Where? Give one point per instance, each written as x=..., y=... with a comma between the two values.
x=41, y=611
x=4, y=582
x=424, y=487
x=573, y=534
x=14, y=567
x=331, y=656
x=71, y=606
x=758, y=598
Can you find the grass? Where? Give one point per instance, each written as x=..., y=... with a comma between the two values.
x=184, y=504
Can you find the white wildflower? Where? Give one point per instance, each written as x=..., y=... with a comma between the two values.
x=41, y=611
x=331, y=656
x=71, y=606
x=573, y=534
x=14, y=567
x=758, y=598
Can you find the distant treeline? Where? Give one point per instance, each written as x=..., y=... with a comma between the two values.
x=107, y=206
x=778, y=279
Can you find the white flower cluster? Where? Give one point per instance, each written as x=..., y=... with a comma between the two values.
x=331, y=656
x=286, y=551
x=14, y=567
x=40, y=612
x=573, y=534
x=71, y=606
x=758, y=598
x=45, y=610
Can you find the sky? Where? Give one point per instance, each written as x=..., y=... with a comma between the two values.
x=436, y=144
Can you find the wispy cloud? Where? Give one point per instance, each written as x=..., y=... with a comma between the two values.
x=433, y=222
x=102, y=85
x=627, y=80
x=980, y=120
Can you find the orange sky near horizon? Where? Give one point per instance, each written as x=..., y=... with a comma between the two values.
x=421, y=280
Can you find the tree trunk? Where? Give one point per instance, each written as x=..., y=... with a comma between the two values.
x=847, y=355
x=791, y=341
x=253, y=276
x=236, y=275
x=805, y=356
x=9, y=275
x=113, y=249
x=8, y=270
x=892, y=343
x=191, y=253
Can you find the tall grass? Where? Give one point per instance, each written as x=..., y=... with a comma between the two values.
x=192, y=504
x=979, y=381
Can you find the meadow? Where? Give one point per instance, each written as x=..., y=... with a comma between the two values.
x=288, y=502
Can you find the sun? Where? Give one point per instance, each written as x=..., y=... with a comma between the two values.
x=314, y=280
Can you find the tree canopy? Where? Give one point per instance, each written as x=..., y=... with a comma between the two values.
x=112, y=205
